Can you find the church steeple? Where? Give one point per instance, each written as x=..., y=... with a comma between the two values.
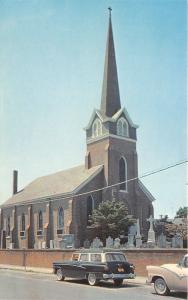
x=110, y=100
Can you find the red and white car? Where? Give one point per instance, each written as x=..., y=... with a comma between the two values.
x=169, y=277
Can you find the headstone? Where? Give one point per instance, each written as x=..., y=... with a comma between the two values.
x=51, y=244
x=11, y=246
x=56, y=244
x=43, y=245
x=130, y=243
x=67, y=241
x=132, y=229
x=168, y=244
x=161, y=242
x=109, y=242
x=39, y=245
x=177, y=241
x=87, y=244
x=138, y=235
x=96, y=243
x=151, y=233
x=117, y=243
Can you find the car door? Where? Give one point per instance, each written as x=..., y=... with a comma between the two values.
x=180, y=278
x=184, y=274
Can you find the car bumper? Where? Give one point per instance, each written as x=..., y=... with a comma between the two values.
x=119, y=276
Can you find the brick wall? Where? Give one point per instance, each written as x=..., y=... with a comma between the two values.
x=45, y=258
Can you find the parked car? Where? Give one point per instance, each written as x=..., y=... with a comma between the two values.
x=95, y=265
x=169, y=277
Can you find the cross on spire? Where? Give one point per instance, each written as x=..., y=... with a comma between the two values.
x=110, y=9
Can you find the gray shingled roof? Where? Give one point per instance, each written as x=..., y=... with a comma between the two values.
x=62, y=182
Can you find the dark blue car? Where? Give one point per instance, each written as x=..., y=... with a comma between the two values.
x=95, y=265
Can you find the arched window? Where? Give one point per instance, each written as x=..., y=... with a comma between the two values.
x=8, y=226
x=123, y=173
x=90, y=207
x=40, y=221
x=23, y=222
x=60, y=220
x=122, y=127
x=96, y=128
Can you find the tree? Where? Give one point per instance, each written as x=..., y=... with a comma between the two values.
x=182, y=212
x=111, y=219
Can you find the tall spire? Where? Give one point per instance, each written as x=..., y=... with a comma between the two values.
x=110, y=99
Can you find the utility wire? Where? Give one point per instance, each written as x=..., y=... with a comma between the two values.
x=60, y=197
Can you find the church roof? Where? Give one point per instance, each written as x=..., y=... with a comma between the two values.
x=110, y=99
x=61, y=183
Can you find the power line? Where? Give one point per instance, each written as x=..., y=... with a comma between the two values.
x=60, y=197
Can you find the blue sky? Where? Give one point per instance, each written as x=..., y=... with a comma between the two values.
x=51, y=69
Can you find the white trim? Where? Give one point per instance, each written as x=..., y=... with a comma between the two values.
x=107, y=135
x=87, y=180
x=119, y=127
x=118, y=114
x=94, y=113
x=96, y=128
x=114, y=118
x=145, y=190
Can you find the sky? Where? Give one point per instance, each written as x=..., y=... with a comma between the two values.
x=51, y=70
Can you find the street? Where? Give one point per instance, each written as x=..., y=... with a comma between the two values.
x=18, y=285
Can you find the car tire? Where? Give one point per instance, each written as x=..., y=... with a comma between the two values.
x=161, y=287
x=59, y=274
x=92, y=279
x=118, y=282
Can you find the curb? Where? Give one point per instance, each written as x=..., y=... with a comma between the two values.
x=27, y=269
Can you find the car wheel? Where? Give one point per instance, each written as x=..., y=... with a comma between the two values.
x=118, y=282
x=161, y=287
x=59, y=274
x=92, y=279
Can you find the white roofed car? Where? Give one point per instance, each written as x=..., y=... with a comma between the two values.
x=169, y=277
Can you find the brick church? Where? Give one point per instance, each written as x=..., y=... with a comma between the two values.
x=60, y=203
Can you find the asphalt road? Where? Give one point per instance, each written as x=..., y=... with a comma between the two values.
x=17, y=285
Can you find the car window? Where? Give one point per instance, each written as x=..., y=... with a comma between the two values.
x=75, y=256
x=95, y=257
x=185, y=263
x=84, y=257
x=115, y=257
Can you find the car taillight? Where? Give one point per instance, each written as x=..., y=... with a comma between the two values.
x=106, y=268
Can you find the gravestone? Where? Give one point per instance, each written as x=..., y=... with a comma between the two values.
x=87, y=244
x=39, y=244
x=96, y=243
x=138, y=235
x=67, y=241
x=11, y=246
x=56, y=244
x=168, y=244
x=132, y=229
x=51, y=244
x=151, y=233
x=177, y=241
x=117, y=243
x=130, y=243
x=161, y=242
x=43, y=245
x=109, y=242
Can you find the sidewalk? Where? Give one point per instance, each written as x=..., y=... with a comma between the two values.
x=27, y=269
x=138, y=280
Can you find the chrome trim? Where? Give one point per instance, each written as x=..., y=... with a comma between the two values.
x=119, y=276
